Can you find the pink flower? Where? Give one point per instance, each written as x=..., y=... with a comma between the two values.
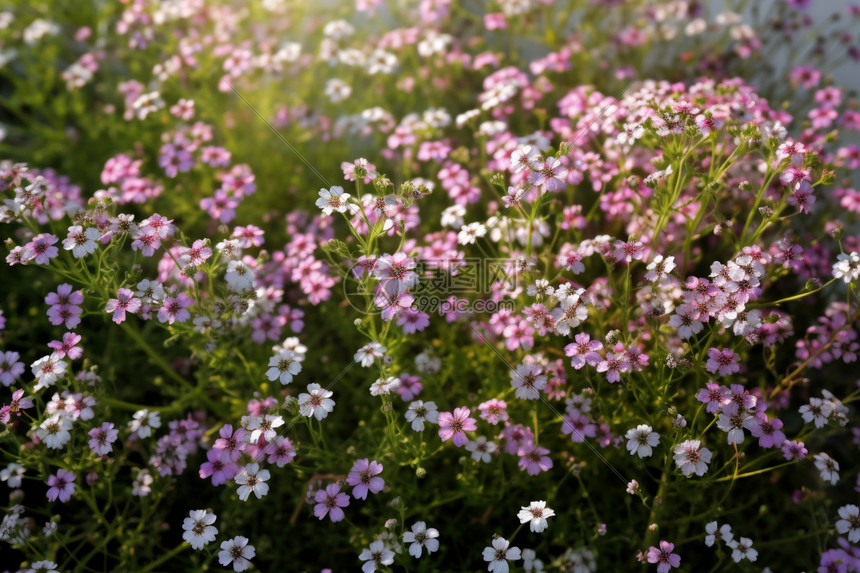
x=125, y=302
x=723, y=361
x=494, y=411
x=614, y=365
x=551, y=175
x=663, y=556
x=68, y=346
x=329, y=502
x=218, y=468
x=364, y=476
x=102, y=438
x=40, y=249
x=280, y=452
x=249, y=236
x=456, y=425
x=583, y=351
x=19, y=402
x=392, y=302
x=62, y=486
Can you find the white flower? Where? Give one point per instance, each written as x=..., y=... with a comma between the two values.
x=239, y=277
x=316, y=402
x=541, y=287
x=54, y=432
x=817, y=411
x=338, y=29
x=525, y=157
x=659, y=268
x=47, y=370
x=847, y=267
x=453, y=216
x=81, y=242
x=42, y=567
x=691, y=457
x=850, y=522
x=12, y=475
x=337, y=90
x=334, y=199
x=252, y=479
x=262, y=426
x=532, y=563
x=421, y=537
x=383, y=387
x=718, y=533
x=428, y=363
x=482, y=450
x=147, y=103
x=381, y=62
x=420, y=412
x=238, y=552
x=375, y=556
x=570, y=313
x=469, y=233
x=198, y=527
x=368, y=353
x=292, y=343
x=535, y=515
x=149, y=291
x=39, y=28
x=230, y=248
x=630, y=133
x=144, y=422
x=283, y=366
x=528, y=381
x=140, y=487
x=641, y=439
x=828, y=467
x=742, y=548
x=498, y=555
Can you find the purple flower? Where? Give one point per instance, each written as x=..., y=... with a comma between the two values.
x=330, y=501
x=364, y=476
x=124, y=302
x=173, y=308
x=10, y=367
x=663, y=556
x=102, y=438
x=62, y=486
x=534, y=459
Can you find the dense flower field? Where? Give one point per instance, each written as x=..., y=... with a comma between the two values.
x=430, y=285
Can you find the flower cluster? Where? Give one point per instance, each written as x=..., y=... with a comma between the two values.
x=416, y=275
